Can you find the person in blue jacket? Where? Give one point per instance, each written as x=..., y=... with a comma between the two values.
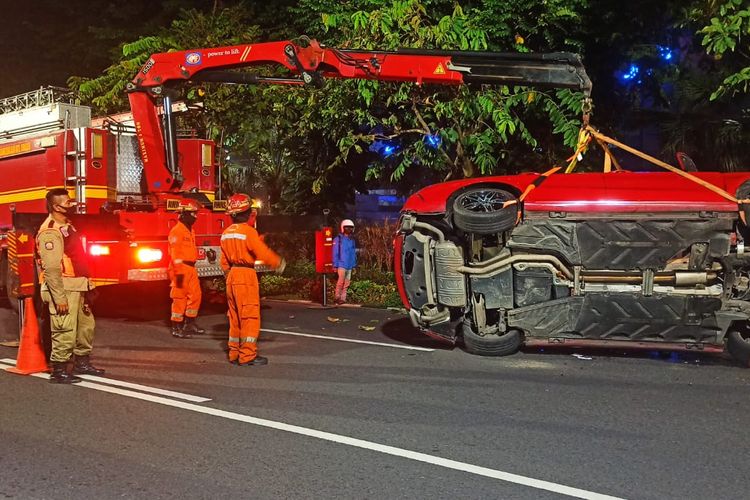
x=344, y=259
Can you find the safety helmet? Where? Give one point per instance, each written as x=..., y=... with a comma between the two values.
x=346, y=223
x=241, y=202
x=188, y=206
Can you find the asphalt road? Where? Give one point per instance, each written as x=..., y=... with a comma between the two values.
x=393, y=415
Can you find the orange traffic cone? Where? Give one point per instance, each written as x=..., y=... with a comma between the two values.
x=31, y=358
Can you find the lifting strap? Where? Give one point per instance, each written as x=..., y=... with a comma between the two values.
x=601, y=138
x=588, y=134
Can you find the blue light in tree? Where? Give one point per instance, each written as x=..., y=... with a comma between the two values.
x=665, y=53
x=384, y=148
x=631, y=73
x=433, y=141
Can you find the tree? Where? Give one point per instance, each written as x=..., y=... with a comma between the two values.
x=708, y=111
x=460, y=132
x=728, y=34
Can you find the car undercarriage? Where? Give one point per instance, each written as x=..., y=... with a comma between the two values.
x=497, y=277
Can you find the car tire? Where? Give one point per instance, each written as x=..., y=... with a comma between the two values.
x=742, y=194
x=481, y=211
x=738, y=346
x=503, y=344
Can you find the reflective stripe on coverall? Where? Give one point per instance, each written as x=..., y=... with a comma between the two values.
x=186, y=299
x=241, y=246
x=72, y=333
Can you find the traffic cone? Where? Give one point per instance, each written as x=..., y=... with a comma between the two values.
x=31, y=358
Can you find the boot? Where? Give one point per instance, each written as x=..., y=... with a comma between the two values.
x=83, y=366
x=178, y=331
x=61, y=374
x=192, y=328
x=257, y=361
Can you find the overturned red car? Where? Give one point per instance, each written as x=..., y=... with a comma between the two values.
x=619, y=259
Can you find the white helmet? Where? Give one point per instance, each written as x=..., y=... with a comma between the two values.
x=345, y=223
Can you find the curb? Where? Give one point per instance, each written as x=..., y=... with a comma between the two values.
x=301, y=301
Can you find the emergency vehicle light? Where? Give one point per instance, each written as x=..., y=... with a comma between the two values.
x=147, y=255
x=98, y=250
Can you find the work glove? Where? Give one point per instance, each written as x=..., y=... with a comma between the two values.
x=179, y=280
x=282, y=266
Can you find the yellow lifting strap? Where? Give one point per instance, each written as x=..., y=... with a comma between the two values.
x=589, y=133
x=584, y=138
x=603, y=139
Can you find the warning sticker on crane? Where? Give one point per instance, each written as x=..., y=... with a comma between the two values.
x=440, y=70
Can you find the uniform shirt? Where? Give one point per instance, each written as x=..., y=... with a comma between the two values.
x=240, y=244
x=182, y=244
x=61, y=257
x=344, y=252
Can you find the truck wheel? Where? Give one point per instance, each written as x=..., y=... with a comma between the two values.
x=8, y=281
x=482, y=211
x=3, y=271
x=738, y=346
x=502, y=344
x=11, y=283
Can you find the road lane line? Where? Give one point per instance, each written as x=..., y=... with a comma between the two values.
x=349, y=441
x=341, y=339
x=129, y=385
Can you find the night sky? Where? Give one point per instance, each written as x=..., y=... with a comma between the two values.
x=45, y=42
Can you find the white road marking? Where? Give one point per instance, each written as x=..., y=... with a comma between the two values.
x=341, y=339
x=349, y=441
x=129, y=385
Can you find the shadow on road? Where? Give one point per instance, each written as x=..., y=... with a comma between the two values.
x=672, y=357
x=145, y=302
x=401, y=330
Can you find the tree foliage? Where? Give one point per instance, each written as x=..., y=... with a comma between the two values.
x=482, y=131
x=728, y=33
x=306, y=148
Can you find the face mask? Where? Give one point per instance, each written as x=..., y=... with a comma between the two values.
x=188, y=219
x=348, y=231
x=65, y=207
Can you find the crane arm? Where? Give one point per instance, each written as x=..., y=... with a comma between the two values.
x=311, y=64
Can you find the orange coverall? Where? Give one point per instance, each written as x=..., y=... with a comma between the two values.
x=186, y=290
x=240, y=247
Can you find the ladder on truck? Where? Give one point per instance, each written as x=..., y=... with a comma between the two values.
x=44, y=96
x=12, y=108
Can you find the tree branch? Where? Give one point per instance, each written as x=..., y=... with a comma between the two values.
x=422, y=121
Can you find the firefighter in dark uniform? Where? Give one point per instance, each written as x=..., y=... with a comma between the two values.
x=65, y=289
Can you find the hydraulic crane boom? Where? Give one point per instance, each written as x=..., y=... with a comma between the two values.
x=312, y=63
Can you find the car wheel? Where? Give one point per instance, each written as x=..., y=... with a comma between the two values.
x=502, y=344
x=483, y=211
x=738, y=346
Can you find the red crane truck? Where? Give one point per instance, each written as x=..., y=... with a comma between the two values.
x=48, y=141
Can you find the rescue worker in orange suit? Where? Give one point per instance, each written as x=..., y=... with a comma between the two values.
x=240, y=248
x=185, y=286
x=66, y=289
